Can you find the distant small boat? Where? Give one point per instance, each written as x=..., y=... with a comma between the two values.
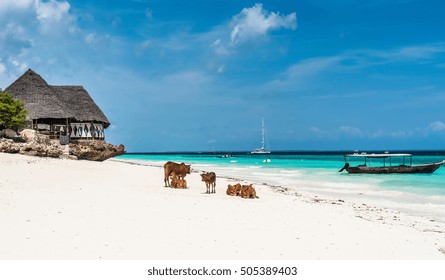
x=261, y=150
x=388, y=167
x=226, y=156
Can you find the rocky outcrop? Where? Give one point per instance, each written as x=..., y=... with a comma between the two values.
x=96, y=151
x=40, y=145
x=41, y=150
x=29, y=135
x=8, y=146
x=31, y=148
x=8, y=133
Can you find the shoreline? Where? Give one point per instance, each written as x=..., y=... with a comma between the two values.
x=64, y=209
x=364, y=209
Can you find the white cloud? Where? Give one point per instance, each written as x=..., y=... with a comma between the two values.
x=90, y=38
x=378, y=134
x=52, y=10
x=146, y=44
x=437, y=126
x=15, y=5
x=301, y=73
x=219, y=48
x=312, y=66
x=142, y=47
x=401, y=134
x=49, y=15
x=255, y=22
x=420, y=51
x=353, y=131
x=97, y=41
x=14, y=39
x=320, y=133
x=304, y=72
x=149, y=13
x=20, y=66
x=52, y=14
x=2, y=68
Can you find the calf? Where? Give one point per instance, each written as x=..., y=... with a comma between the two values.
x=248, y=191
x=182, y=184
x=210, y=179
x=177, y=182
x=234, y=190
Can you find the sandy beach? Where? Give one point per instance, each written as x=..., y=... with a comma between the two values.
x=67, y=209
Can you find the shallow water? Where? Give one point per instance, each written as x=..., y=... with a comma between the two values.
x=420, y=194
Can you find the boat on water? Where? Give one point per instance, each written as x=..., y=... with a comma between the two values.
x=386, y=164
x=261, y=150
x=225, y=156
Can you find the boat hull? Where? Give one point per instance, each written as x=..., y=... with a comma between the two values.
x=260, y=152
x=403, y=169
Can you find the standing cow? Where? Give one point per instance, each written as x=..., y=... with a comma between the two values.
x=180, y=170
x=210, y=179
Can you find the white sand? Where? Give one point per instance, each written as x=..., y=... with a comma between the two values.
x=64, y=209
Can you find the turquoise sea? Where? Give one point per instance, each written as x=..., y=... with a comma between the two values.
x=317, y=172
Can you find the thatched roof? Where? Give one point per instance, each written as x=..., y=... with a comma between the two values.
x=44, y=101
x=81, y=105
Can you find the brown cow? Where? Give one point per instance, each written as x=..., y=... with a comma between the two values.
x=174, y=180
x=180, y=169
x=248, y=191
x=182, y=184
x=210, y=179
x=234, y=190
x=178, y=182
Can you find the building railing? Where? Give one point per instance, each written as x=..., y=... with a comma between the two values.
x=75, y=131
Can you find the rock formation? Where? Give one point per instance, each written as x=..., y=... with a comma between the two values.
x=40, y=145
x=31, y=148
x=96, y=151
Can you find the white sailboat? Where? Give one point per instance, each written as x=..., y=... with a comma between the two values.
x=261, y=150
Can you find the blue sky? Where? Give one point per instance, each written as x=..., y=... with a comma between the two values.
x=192, y=75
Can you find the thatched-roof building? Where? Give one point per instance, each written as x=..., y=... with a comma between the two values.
x=59, y=110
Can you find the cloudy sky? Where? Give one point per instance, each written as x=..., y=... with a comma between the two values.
x=176, y=75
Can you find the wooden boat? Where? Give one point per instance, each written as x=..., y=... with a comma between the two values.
x=392, y=163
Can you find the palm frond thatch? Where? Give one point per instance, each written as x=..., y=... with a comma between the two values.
x=45, y=101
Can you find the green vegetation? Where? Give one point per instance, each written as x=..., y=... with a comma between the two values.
x=12, y=111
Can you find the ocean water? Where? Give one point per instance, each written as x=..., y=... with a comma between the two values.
x=317, y=173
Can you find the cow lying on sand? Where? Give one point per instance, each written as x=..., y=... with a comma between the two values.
x=180, y=169
x=234, y=190
x=178, y=182
x=245, y=191
x=210, y=179
x=248, y=191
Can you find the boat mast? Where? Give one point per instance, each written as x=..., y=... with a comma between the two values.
x=262, y=133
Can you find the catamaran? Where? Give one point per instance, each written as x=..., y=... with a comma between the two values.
x=261, y=150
